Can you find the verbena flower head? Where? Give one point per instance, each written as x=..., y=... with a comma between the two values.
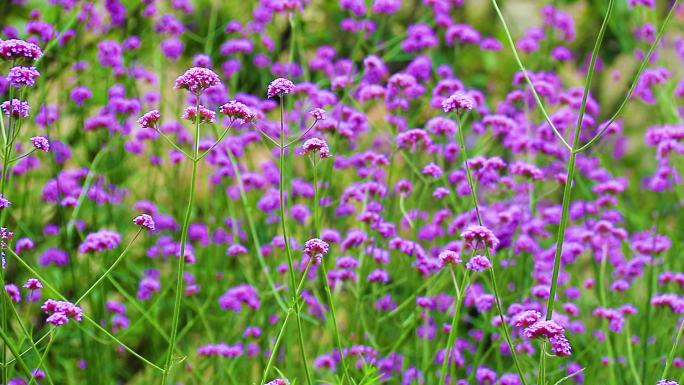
x=41, y=143
x=458, y=101
x=449, y=257
x=22, y=76
x=100, y=241
x=316, y=247
x=14, y=49
x=16, y=108
x=145, y=221
x=61, y=312
x=33, y=284
x=318, y=113
x=316, y=145
x=236, y=110
x=4, y=202
x=479, y=263
x=149, y=119
x=205, y=115
x=197, y=79
x=280, y=87
x=477, y=236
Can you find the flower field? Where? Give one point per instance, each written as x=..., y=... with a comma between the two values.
x=342, y=192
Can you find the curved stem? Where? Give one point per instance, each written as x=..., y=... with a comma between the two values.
x=109, y=270
x=644, y=64
x=527, y=77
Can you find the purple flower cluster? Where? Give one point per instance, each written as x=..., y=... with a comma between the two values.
x=280, y=87
x=100, y=241
x=61, y=312
x=144, y=220
x=235, y=297
x=13, y=49
x=197, y=80
x=22, y=76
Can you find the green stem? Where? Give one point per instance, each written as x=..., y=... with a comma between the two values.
x=181, y=258
x=109, y=270
x=642, y=67
x=288, y=251
x=454, y=322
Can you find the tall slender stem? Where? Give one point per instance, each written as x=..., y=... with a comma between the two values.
x=454, y=322
x=567, y=190
x=288, y=251
x=181, y=259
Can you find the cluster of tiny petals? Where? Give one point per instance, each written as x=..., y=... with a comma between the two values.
x=316, y=145
x=22, y=76
x=61, y=312
x=545, y=329
x=526, y=318
x=318, y=114
x=41, y=143
x=197, y=79
x=458, y=101
x=13, y=49
x=316, y=247
x=479, y=263
x=100, y=241
x=449, y=257
x=15, y=108
x=149, y=119
x=33, y=284
x=667, y=382
x=280, y=87
x=238, y=110
x=205, y=115
x=477, y=235
x=144, y=220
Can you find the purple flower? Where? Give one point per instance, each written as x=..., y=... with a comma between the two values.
x=278, y=381
x=13, y=292
x=145, y=221
x=479, y=263
x=41, y=143
x=205, y=115
x=33, y=284
x=458, y=101
x=316, y=145
x=197, y=79
x=149, y=119
x=316, y=247
x=4, y=202
x=480, y=235
x=235, y=297
x=22, y=76
x=280, y=87
x=16, y=108
x=236, y=110
x=80, y=94
x=13, y=49
x=100, y=241
x=449, y=257
x=61, y=312
x=318, y=113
